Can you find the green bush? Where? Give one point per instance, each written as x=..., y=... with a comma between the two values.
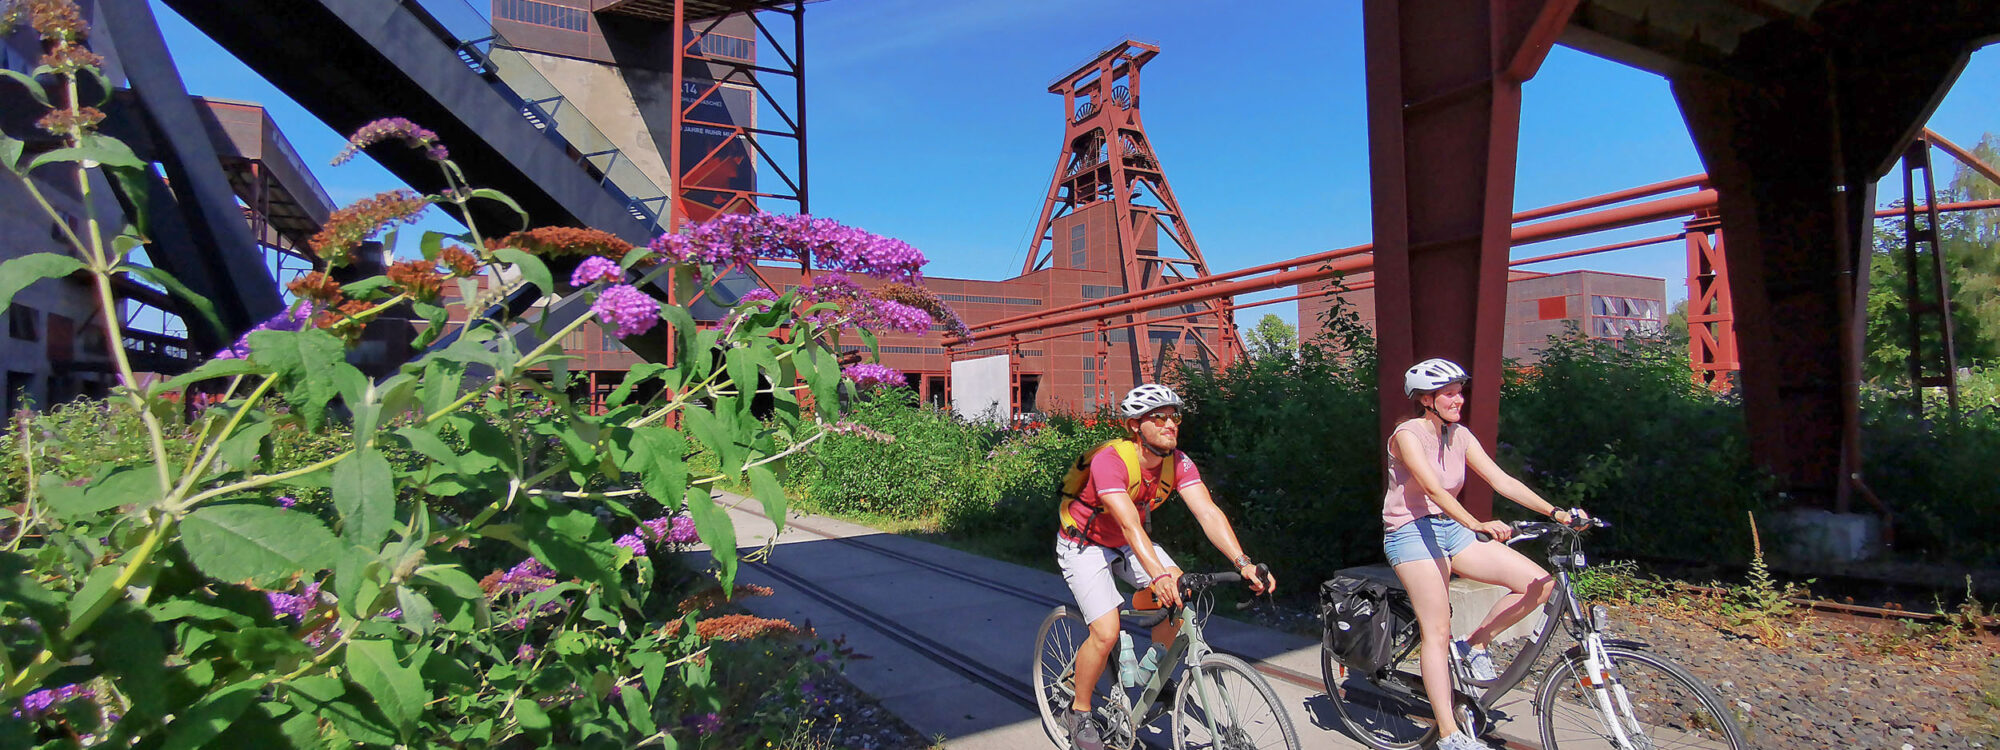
x=934, y=459
x=1936, y=474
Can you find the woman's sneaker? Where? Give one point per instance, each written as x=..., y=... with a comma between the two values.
x=1479, y=661
x=1082, y=729
x=1460, y=741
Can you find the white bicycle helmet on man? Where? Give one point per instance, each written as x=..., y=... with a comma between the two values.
x=1144, y=399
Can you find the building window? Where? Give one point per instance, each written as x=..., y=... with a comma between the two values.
x=543, y=14
x=723, y=45
x=21, y=323
x=1614, y=317
x=1078, y=248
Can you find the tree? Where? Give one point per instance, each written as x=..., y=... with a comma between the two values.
x=1970, y=241
x=1272, y=336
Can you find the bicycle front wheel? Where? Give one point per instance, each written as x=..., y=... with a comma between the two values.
x=1223, y=704
x=1374, y=715
x=1055, y=668
x=1641, y=701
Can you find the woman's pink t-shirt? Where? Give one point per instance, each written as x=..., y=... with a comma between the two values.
x=1406, y=499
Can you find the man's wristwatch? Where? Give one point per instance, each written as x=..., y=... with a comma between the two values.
x=1241, y=561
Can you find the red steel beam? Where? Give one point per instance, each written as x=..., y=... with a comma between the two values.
x=1643, y=191
x=1963, y=156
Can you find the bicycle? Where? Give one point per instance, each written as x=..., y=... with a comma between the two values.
x=1221, y=704
x=1602, y=692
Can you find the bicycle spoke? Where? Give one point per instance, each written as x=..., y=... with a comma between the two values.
x=1228, y=709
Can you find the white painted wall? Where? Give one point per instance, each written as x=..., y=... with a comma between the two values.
x=980, y=389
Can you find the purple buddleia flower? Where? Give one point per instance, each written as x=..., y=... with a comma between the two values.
x=393, y=127
x=628, y=309
x=703, y=724
x=34, y=705
x=524, y=653
x=683, y=531
x=291, y=319
x=294, y=606
x=867, y=376
x=527, y=577
x=634, y=543
x=740, y=238
x=594, y=269
x=287, y=501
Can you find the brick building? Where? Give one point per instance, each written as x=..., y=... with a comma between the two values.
x=1539, y=305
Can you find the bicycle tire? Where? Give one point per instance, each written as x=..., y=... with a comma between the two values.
x=1227, y=678
x=1055, y=657
x=1393, y=724
x=1673, y=708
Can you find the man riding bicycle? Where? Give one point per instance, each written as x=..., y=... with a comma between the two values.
x=1107, y=504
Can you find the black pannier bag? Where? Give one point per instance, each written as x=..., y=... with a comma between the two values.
x=1356, y=623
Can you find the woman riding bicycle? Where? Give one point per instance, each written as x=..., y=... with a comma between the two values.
x=1428, y=535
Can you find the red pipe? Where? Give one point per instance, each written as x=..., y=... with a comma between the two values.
x=1942, y=208
x=1595, y=250
x=1606, y=199
x=1613, y=218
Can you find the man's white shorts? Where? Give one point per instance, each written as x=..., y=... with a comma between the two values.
x=1087, y=568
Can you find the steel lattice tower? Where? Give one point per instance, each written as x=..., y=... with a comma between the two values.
x=1109, y=208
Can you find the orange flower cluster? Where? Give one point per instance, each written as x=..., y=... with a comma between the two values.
x=348, y=227
x=61, y=121
x=555, y=242
x=743, y=627
x=417, y=278
x=712, y=596
x=671, y=630
x=72, y=57
x=318, y=287
x=460, y=262
x=57, y=19
x=346, y=311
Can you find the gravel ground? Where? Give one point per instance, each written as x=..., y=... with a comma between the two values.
x=849, y=719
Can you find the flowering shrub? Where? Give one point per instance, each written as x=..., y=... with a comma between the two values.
x=453, y=555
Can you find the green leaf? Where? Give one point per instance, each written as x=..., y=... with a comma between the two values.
x=824, y=377
x=426, y=442
x=765, y=486
x=638, y=709
x=633, y=256
x=454, y=580
x=708, y=428
x=241, y=448
x=639, y=373
x=96, y=587
x=178, y=609
x=10, y=152
x=417, y=610
x=503, y=199
x=125, y=486
x=743, y=373
x=255, y=543
x=321, y=696
x=357, y=392
x=712, y=523
x=195, y=727
x=532, y=268
x=104, y=150
x=432, y=244
x=137, y=185
x=440, y=384
x=214, y=368
x=662, y=471
x=397, y=688
x=22, y=590
x=307, y=359
x=578, y=545
x=364, y=491
x=18, y=273
x=531, y=716
x=204, y=309
x=129, y=648
x=28, y=82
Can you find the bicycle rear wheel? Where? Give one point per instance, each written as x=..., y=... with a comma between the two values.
x=1375, y=716
x=1240, y=711
x=1642, y=702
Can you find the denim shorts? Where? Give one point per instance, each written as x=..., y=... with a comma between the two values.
x=1427, y=538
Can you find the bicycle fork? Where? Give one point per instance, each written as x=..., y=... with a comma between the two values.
x=1601, y=676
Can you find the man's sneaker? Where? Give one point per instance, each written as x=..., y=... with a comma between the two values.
x=1082, y=729
x=1460, y=741
x=1479, y=661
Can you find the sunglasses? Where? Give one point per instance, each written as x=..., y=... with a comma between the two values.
x=1163, y=419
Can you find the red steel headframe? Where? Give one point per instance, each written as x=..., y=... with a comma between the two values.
x=1106, y=157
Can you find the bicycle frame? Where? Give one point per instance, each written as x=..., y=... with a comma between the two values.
x=1189, y=649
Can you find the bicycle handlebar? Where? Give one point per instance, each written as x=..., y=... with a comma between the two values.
x=1528, y=530
x=1193, y=583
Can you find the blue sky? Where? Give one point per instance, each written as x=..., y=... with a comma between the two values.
x=930, y=121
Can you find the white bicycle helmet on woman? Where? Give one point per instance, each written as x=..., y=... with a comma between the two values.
x=1144, y=399
x=1430, y=375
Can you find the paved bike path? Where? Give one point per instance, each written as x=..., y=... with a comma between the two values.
x=950, y=636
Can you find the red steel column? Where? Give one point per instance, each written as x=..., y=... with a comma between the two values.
x=1444, y=111
x=1711, y=317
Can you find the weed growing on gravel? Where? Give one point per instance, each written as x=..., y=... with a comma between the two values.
x=1620, y=581
x=1762, y=603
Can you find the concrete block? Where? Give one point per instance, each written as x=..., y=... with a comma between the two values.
x=1470, y=601
x=1812, y=535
